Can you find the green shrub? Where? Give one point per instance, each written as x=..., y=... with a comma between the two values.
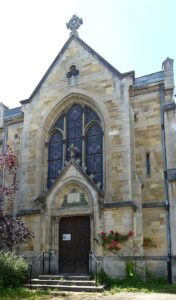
x=153, y=279
x=103, y=278
x=13, y=270
x=132, y=274
x=134, y=281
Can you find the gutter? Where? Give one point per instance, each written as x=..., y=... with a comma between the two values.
x=166, y=188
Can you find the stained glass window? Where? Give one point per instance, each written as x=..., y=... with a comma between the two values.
x=74, y=130
x=59, y=123
x=55, y=157
x=77, y=118
x=90, y=115
x=94, y=153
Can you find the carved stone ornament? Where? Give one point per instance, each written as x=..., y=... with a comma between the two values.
x=73, y=150
x=74, y=23
x=74, y=198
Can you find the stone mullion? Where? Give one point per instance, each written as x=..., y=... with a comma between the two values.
x=65, y=139
x=83, y=137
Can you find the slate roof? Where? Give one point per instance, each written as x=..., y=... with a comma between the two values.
x=169, y=106
x=12, y=113
x=149, y=79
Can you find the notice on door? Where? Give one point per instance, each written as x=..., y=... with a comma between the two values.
x=66, y=237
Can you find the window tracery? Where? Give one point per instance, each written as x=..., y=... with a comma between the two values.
x=73, y=71
x=79, y=127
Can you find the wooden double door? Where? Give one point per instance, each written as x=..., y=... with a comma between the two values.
x=74, y=245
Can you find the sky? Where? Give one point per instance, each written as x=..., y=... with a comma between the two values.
x=130, y=34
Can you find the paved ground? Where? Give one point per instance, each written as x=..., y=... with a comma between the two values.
x=120, y=296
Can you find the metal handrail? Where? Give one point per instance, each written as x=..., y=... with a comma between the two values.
x=36, y=259
x=92, y=257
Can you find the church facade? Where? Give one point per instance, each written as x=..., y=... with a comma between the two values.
x=97, y=152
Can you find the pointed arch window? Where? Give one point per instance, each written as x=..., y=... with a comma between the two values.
x=94, y=152
x=79, y=126
x=74, y=130
x=55, y=157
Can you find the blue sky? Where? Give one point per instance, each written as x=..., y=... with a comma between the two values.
x=130, y=34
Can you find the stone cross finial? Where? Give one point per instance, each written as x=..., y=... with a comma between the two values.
x=74, y=23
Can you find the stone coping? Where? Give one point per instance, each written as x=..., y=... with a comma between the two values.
x=119, y=204
x=153, y=204
x=136, y=257
x=27, y=212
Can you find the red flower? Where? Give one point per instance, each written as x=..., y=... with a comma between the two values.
x=114, y=240
x=102, y=233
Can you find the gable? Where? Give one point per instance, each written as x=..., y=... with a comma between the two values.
x=76, y=51
x=72, y=172
x=72, y=177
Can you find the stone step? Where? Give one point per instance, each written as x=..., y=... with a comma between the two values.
x=65, y=277
x=67, y=288
x=63, y=282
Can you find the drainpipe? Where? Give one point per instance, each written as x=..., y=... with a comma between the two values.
x=166, y=189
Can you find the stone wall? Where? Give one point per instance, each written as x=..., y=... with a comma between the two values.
x=148, y=140
x=109, y=95
x=131, y=118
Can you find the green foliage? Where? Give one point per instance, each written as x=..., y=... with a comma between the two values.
x=130, y=269
x=103, y=278
x=153, y=279
x=134, y=282
x=117, y=286
x=13, y=270
x=22, y=293
x=132, y=275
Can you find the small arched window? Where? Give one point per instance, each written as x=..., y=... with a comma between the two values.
x=81, y=128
